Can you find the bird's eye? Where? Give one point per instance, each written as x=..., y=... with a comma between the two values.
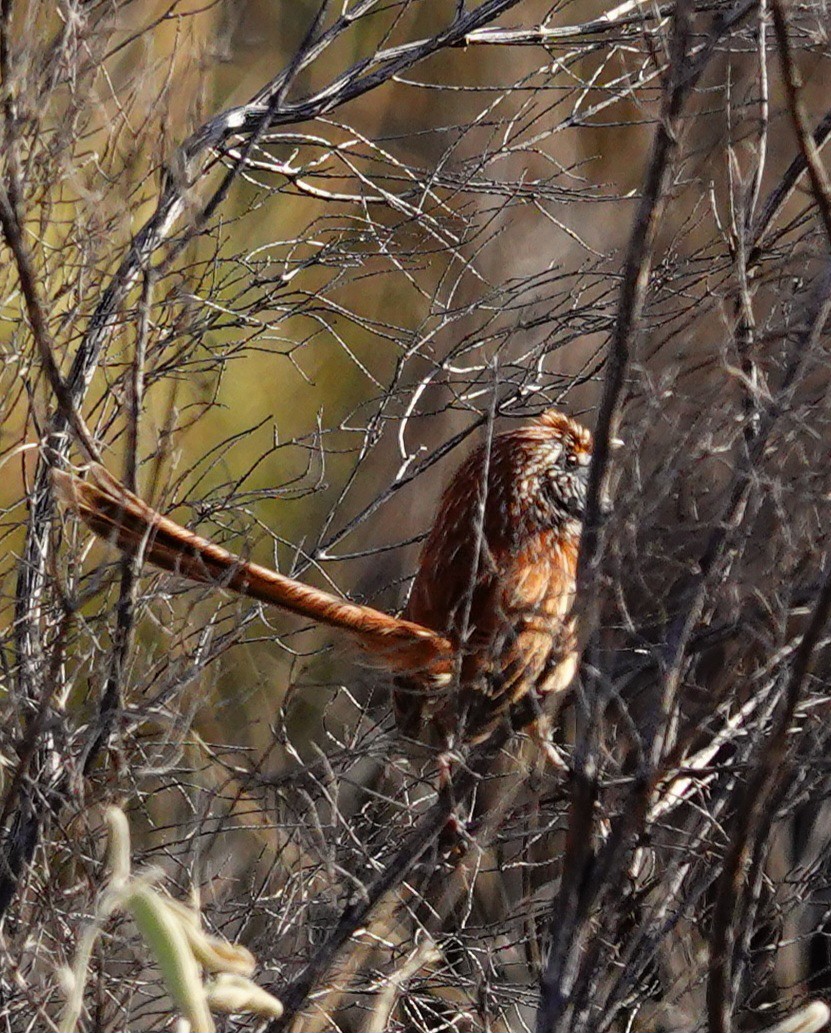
x=572, y=460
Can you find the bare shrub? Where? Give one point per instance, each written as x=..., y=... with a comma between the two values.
x=278, y=265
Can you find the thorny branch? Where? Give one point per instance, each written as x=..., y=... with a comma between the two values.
x=808, y=148
x=268, y=108
x=569, y=924
x=754, y=810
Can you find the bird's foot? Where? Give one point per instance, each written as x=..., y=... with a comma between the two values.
x=553, y=756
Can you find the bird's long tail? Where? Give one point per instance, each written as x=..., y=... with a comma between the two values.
x=118, y=516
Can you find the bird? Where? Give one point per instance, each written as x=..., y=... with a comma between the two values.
x=488, y=635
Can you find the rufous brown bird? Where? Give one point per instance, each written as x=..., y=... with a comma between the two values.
x=487, y=634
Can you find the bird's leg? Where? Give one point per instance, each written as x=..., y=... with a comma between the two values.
x=447, y=759
x=540, y=732
x=454, y=838
x=455, y=830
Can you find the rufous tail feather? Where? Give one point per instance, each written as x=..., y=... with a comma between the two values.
x=122, y=518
